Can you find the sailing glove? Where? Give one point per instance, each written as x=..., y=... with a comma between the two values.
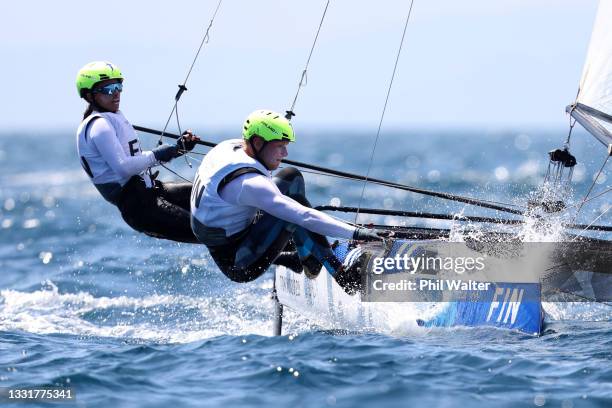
x=370, y=234
x=165, y=153
x=185, y=143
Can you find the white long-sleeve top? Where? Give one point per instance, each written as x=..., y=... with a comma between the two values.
x=259, y=192
x=111, y=149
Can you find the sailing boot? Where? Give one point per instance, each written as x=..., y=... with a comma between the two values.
x=350, y=277
x=289, y=260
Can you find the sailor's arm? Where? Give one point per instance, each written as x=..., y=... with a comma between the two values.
x=104, y=137
x=260, y=192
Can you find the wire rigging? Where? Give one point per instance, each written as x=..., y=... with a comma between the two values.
x=382, y=116
x=304, y=78
x=183, y=87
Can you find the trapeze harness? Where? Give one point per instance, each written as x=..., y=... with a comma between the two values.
x=229, y=190
x=110, y=154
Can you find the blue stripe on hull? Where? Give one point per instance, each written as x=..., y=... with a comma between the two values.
x=515, y=306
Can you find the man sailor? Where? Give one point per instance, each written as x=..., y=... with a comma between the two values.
x=247, y=218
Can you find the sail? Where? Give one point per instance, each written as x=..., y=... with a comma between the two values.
x=596, y=82
x=594, y=102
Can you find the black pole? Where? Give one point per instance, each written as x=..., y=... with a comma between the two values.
x=352, y=176
x=418, y=214
x=278, y=311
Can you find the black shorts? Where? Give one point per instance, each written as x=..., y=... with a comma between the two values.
x=161, y=212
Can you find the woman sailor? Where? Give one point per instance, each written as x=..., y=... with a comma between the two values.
x=234, y=183
x=110, y=154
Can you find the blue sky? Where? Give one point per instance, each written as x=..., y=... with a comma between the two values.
x=503, y=63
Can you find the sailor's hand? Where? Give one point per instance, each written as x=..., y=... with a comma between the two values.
x=370, y=234
x=187, y=141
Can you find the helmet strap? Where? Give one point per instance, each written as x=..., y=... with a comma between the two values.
x=95, y=106
x=257, y=152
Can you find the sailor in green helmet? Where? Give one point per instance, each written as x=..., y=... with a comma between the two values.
x=110, y=153
x=250, y=219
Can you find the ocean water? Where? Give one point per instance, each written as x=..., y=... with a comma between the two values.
x=131, y=321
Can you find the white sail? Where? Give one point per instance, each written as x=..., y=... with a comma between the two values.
x=596, y=82
x=593, y=107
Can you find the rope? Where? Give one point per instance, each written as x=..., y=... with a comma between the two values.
x=382, y=116
x=593, y=222
x=183, y=87
x=303, y=78
x=590, y=189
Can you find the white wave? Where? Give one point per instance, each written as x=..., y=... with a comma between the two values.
x=47, y=311
x=586, y=311
x=49, y=178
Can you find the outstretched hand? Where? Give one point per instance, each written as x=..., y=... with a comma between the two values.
x=371, y=234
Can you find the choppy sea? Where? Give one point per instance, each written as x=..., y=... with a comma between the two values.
x=131, y=321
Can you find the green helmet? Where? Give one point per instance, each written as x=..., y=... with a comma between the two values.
x=268, y=125
x=95, y=72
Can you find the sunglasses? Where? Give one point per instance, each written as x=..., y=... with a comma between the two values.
x=109, y=89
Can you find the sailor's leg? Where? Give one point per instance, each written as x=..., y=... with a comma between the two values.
x=257, y=248
x=314, y=249
x=146, y=210
x=176, y=193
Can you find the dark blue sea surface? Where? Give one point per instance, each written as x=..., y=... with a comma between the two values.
x=131, y=321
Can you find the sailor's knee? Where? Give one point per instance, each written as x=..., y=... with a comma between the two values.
x=290, y=181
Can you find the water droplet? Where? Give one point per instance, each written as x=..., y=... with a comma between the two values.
x=279, y=369
x=291, y=369
x=7, y=223
x=45, y=257
x=31, y=223
x=539, y=400
x=501, y=173
x=433, y=176
x=48, y=201
x=522, y=142
x=9, y=204
x=296, y=373
x=243, y=341
x=601, y=179
x=24, y=197
x=335, y=201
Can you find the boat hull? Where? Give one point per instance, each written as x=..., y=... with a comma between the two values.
x=514, y=305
